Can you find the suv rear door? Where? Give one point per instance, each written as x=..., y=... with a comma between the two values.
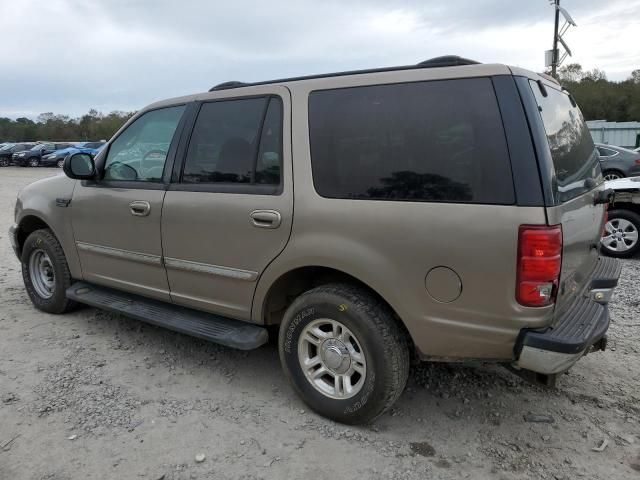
x=228, y=211
x=571, y=173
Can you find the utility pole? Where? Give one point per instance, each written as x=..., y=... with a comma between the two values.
x=554, y=51
x=552, y=57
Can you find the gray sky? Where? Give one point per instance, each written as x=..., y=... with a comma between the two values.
x=67, y=56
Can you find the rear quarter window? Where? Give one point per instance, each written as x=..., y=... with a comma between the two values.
x=437, y=141
x=575, y=157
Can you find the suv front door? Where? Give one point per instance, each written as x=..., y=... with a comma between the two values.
x=228, y=213
x=116, y=220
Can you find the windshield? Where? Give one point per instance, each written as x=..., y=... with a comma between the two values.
x=574, y=155
x=37, y=147
x=8, y=146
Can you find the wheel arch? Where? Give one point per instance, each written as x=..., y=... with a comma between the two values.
x=632, y=207
x=270, y=307
x=613, y=170
x=27, y=225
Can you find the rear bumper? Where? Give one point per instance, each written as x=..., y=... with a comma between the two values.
x=581, y=328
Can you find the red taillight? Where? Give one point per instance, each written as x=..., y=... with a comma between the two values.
x=539, y=262
x=638, y=161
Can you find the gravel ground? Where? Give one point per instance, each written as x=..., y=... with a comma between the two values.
x=96, y=395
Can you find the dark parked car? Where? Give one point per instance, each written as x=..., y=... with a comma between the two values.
x=33, y=157
x=57, y=158
x=618, y=162
x=8, y=150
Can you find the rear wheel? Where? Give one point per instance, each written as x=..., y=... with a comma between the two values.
x=4, y=162
x=45, y=272
x=33, y=162
x=621, y=235
x=60, y=163
x=612, y=174
x=344, y=352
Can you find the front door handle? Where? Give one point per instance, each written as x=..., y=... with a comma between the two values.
x=266, y=218
x=140, y=208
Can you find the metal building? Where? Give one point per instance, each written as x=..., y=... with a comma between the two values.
x=622, y=134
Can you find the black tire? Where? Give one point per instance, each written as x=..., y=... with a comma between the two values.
x=58, y=302
x=383, y=343
x=617, y=173
x=4, y=162
x=634, y=219
x=33, y=162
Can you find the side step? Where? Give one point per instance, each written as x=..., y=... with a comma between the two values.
x=225, y=331
x=606, y=273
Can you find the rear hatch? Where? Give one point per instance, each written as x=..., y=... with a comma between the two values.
x=574, y=188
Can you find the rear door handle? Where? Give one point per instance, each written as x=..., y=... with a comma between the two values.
x=266, y=218
x=140, y=208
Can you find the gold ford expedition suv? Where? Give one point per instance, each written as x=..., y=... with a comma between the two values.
x=448, y=210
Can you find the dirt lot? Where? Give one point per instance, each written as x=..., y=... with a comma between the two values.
x=96, y=395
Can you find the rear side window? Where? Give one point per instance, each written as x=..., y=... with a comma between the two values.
x=606, y=152
x=574, y=155
x=439, y=141
x=236, y=141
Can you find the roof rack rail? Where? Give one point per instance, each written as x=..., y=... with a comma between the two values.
x=444, y=61
x=230, y=84
x=447, y=61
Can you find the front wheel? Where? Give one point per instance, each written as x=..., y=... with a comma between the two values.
x=621, y=234
x=33, y=162
x=60, y=163
x=612, y=175
x=45, y=272
x=4, y=162
x=344, y=352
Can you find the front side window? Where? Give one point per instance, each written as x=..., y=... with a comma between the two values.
x=236, y=142
x=436, y=141
x=140, y=152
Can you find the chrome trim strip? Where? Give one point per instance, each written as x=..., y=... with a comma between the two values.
x=197, y=267
x=122, y=254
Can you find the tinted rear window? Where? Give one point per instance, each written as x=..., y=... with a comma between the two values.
x=440, y=141
x=574, y=155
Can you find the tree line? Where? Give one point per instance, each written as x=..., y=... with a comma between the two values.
x=599, y=98
x=93, y=126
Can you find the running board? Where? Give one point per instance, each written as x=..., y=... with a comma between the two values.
x=214, y=328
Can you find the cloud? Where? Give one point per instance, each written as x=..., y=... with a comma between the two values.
x=71, y=55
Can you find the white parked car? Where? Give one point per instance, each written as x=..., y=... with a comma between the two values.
x=620, y=236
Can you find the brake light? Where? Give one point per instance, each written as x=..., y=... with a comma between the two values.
x=539, y=262
x=638, y=161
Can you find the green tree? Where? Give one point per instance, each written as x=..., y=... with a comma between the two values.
x=92, y=126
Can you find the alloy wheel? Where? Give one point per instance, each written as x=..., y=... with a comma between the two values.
x=332, y=359
x=620, y=235
x=612, y=176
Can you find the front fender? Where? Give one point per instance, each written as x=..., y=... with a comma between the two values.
x=49, y=201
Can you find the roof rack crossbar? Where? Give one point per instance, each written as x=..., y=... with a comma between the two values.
x=437, y=62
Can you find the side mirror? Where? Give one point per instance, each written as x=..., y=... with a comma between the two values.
x=79, y=166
